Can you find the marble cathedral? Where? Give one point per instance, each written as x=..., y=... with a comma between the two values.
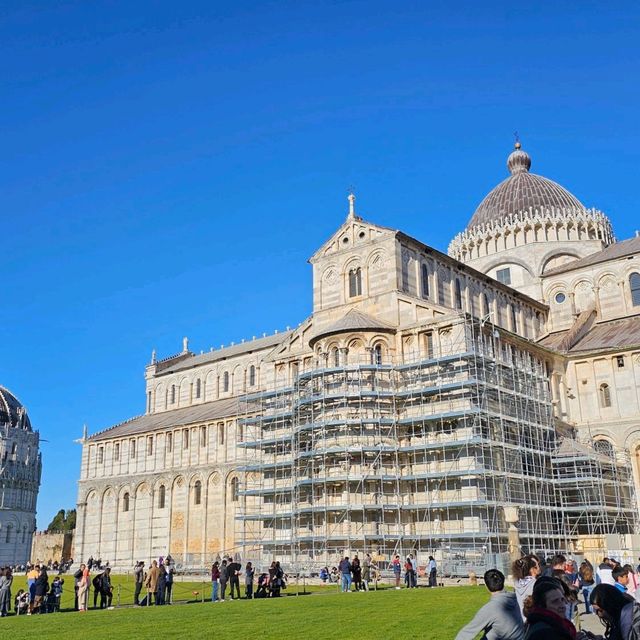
x=471, y=404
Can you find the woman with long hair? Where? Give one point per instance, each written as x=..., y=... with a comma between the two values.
x=619, y=612
x=587, y=583
x=525, y=570
x=546, y=619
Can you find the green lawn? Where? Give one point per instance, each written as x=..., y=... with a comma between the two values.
x=386, y=614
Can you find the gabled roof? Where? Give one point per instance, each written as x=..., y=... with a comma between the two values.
x=169, y=419
x=612, y=252
x=353, y=320
x=221, y=354
x=610, y=335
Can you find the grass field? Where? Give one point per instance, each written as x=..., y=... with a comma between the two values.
x=386, y=614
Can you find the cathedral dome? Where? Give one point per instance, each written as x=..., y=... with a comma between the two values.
x=522, y=191
x=12, y=412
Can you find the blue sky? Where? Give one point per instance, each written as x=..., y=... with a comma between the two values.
x=168, y=168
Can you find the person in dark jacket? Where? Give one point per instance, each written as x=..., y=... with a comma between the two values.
x=97, y=588
x=41, y=590
x=106, y=590
x=546, y=619
x=168, y=580
x=249, y=573
x=138, y=574
x=619, y=612
x=223, y=579
x=162, y=583
x=234, y=569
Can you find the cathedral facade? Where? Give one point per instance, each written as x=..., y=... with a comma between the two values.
x=471, y=404
x=20, y=471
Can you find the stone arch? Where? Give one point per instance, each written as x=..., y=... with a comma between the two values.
x=238, y=379
x=159, y=400
x=555, y=254
x=210, y=390
x=142, y=525
x=184, y=392
x=507, y=261
x=214, y=514
x=179, y=510
x=109, y=524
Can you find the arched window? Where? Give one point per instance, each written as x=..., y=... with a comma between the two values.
x=173, y=394
x=458, y=292
x=169, y=442
x=221, y=433
x=197, y=492
x=335, y=357
x=225, y=381
x=355, y=282
x=24, y=534
x=425, y=280
x=634, y=285
x=234, y=490
x=125, y=502
x=604, y=447
x=605, y=395
x=162, y=495
x=376, y=355
x=514, y=319
x=198, y=388
x=8, y=537
x=132, y=448
x=252, y=376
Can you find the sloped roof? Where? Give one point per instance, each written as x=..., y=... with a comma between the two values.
x=613, y=334
x=612, y=252
x=353, y=320
x=221, y=354
x=168, y=419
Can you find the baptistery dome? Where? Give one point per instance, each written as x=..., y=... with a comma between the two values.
x=12, y=413
x=522, y=191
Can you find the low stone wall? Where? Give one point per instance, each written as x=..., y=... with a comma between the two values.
x=55, y=546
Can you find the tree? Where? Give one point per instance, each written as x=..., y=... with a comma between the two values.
x=63, y=521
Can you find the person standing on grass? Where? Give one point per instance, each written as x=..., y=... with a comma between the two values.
x=138, y=576
x=414, y=571
x=366, y=572
x=345, y=572
x=223, y=579
x=41, y=590
x=83, y=588
x=106, y=590
x=215, y=581
x=432, y=568
x=249, y=573
x=168, y=581
x=152, y=582
x=5, y=591
x=234, y=569
x=397, y=570
x=162, y=583
x=356, y=572
x=500, y=618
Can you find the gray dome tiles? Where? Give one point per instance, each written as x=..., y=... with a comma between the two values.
x=522, y=191
x=12, y=413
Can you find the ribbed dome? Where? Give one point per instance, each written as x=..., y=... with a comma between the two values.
x=12, y=412
x=520, y=191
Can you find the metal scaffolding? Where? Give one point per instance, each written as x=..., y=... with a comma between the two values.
x=438, y=451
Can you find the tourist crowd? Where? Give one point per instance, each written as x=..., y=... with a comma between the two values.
x=544, y=603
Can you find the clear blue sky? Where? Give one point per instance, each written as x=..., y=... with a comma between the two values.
x=167, y=168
